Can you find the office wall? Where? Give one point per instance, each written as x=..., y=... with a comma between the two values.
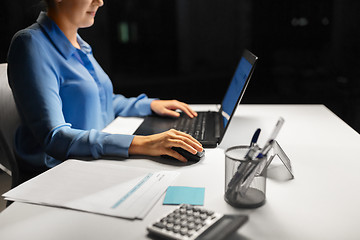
x=310, y=53
x=308, y=50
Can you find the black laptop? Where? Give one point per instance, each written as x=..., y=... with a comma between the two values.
x=208, y=127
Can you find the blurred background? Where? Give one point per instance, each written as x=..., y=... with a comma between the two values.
x=188, y=49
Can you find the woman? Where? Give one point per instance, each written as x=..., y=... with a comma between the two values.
x=65, y=98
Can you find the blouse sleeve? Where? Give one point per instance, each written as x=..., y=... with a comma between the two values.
x=135, y=106
x=35, y=85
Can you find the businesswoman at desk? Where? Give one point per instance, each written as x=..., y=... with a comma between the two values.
x=65, y=98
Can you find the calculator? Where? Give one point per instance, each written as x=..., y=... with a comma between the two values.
x=188, y=222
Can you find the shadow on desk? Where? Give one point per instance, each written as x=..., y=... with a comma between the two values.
x=235, y=236
x=278, y=172
x=164, y=160
x=161, y=160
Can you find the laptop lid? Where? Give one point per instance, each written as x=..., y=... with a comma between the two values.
x=236, y=89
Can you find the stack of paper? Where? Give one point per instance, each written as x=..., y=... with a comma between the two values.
x=96, y=187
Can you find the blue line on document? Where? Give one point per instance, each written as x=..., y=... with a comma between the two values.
x=136, y=187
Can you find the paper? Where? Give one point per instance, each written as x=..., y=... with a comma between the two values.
x=123, y=125
x=184, y=195
x=96, y=187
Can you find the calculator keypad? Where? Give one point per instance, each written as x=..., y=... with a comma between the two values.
x=185, y=222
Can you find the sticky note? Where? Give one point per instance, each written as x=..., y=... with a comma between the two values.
x=184, y=195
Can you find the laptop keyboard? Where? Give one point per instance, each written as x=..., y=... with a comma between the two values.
x=192, y=126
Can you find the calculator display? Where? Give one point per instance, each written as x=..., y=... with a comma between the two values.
x=215, y=230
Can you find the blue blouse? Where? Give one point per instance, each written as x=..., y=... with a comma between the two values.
x=64, y=99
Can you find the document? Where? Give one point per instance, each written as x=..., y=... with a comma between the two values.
x=123, y=125
x=96, y=187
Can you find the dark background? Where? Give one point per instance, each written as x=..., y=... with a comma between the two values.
x=188, y=49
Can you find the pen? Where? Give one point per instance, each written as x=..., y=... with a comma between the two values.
x=261, y=156
x=258, y=166
x=277, y=128
x=255, y=165
x=244, y=166
x=255, y=137
x=265, y=149
x=273, y=135
x=250, y=175
x=249, y=156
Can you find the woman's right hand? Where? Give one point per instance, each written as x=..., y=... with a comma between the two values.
x=161, y=144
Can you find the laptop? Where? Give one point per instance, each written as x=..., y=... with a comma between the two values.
x=208, y=127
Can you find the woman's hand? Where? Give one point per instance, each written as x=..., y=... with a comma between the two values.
x=168, y=107
x=161, y=144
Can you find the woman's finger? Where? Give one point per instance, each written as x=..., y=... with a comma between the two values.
x=187, y=109
x=189, y=140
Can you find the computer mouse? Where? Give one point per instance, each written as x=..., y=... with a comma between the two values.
x=189, y=156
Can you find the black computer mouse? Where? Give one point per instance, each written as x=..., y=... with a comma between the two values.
x=189, y=156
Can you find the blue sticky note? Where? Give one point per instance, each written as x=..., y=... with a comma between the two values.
x=184, y=195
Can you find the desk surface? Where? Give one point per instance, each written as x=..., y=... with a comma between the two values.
x=322, y=202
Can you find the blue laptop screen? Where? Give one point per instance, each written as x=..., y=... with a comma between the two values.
x=235, y=89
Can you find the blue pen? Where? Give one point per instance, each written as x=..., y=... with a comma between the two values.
x=249, y=156
x=244, y=167
x=255, y=137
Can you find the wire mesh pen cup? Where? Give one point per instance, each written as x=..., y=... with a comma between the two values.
x=245, y=180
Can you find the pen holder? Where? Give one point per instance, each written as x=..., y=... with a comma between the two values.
x=245, y=180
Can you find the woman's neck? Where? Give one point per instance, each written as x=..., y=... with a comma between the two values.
x=69, y=30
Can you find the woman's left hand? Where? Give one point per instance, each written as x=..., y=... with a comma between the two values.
x=168, y=107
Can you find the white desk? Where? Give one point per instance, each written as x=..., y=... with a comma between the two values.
x=322, y=202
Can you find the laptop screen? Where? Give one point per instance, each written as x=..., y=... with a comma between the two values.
x=237, y=86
